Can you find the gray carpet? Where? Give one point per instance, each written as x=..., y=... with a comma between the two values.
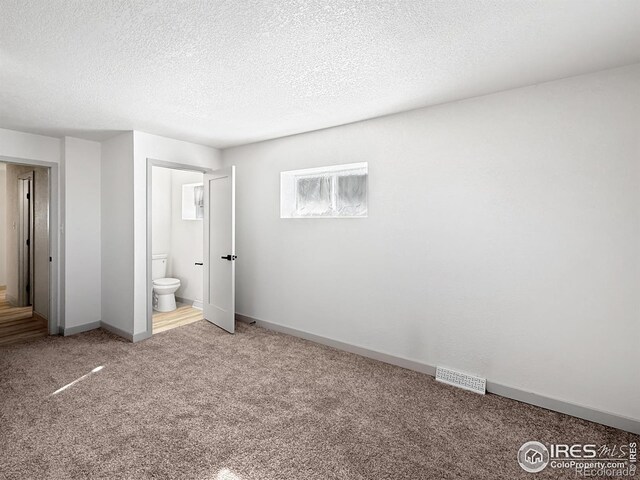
x=198, y=403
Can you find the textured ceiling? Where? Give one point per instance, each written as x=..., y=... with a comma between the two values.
x=230, y=72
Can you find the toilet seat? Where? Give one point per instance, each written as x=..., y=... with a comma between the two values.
x=166, y=282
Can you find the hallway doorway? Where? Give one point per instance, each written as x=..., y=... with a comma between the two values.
x=25, y=260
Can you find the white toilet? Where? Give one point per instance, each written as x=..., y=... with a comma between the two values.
x=164, y=288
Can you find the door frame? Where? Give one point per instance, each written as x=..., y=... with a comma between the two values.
x=56, y=246
x=154, y=162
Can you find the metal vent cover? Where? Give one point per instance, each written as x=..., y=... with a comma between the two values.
x=461, y=380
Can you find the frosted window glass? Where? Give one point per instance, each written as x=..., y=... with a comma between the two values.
x=313, y=196
x=351, y=197
x=198, y=198
x=192, y=201
x=325, y=192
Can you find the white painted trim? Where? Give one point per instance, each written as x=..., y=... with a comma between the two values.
x=561, y=406
x=153, y=162
x=580, y=411
x=138, y=337
x=345, y=167
x=197, y=304
x=80, y=328
x=56, y=238
x=117, y=331
x=347, y=347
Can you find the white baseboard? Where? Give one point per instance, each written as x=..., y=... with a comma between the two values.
x=347, y=347
x=80, y=328
x=93, y=325
x=187, y=301
x=194, y=303
x=141, y=336
x=574, y=410
x=117, y=331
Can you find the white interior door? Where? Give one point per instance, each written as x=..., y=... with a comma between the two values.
x=220, y=248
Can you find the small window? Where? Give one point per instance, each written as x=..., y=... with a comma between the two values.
x=326, y=192
x=192, y=201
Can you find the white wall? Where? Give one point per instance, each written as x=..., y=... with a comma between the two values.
x=147, y=146
x=161, y=210
x=3, y=210
x=116, y=232
x=83, y=276
x=503, y=238
x=27, y=146
x=187, y=238
x=121, y=207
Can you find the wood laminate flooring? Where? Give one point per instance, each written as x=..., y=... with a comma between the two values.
x=183, y=315
x=18, y=323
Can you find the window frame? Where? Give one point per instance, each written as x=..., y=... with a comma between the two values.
x=289, y=183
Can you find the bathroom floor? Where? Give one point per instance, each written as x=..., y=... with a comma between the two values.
x=183, y=315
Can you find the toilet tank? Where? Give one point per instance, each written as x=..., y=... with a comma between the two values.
x=159, y=266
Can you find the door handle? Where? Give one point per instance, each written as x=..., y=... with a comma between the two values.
x=229, y=257
x=199, y=263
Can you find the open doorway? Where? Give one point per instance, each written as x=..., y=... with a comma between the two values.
x=214, y=257
x=24, y=252
x=177, y=210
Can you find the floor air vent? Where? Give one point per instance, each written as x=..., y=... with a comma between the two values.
x=462, y=380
